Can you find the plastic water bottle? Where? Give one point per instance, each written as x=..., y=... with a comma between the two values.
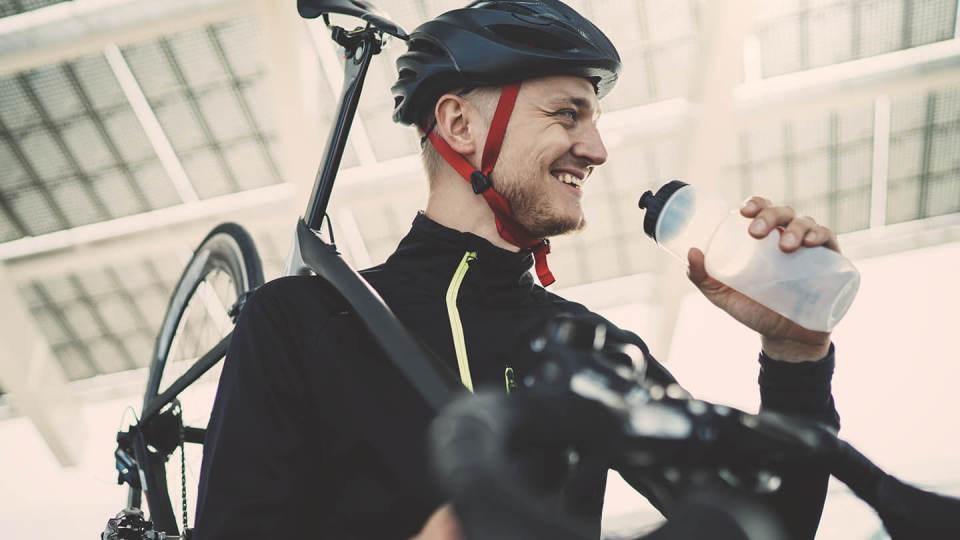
x=813, y=286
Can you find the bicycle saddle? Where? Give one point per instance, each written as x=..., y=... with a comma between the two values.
x=311, y=9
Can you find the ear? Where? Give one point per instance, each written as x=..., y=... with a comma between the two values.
x=458, y=124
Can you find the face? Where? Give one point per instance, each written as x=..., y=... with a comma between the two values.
x=550, y=148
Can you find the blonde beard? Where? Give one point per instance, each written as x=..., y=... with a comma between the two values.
x=531, y=208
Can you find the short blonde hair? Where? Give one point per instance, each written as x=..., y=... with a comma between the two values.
x=484, y=98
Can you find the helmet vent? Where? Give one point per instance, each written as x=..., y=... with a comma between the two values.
x=532, y=38
x=425, y=46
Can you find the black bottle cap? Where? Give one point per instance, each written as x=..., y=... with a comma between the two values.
x=653, y=204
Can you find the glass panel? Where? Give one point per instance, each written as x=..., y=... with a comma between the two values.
x=117, y=315
x=829, y=35
x=155, y=185
x=75, y=362
x=16, y=110
x=44, y=155
x=80, y=320
x=853, y=210
x=943, y=194
x=902, y=197
x=855, y=166
x=140, y=347
x=151, y=67
x=223, y=114
x=12, y=174
x=75, y=202
x=795, y=36
x=906, y=155
x=114, y=188
x=208, y=177
x=880, y=26
x=51, y=329
x=95, y=283
x=129, y=138
x=106, y=355
x=98, y=82
x=33, y=210
x=931, y=20
x=21, y=6
x=87, y=146
x=194, y=54
x=247, y=159
x=238, y=38
x=180, y=124
x=56, y=95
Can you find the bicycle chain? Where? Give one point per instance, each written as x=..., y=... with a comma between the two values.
x=183, y=475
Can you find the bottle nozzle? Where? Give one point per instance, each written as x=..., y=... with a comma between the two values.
x=653, y=204
x=645, y=199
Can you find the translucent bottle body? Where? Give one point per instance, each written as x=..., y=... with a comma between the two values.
x=813, y=286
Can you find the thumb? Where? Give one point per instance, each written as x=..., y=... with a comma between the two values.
x=697, y=271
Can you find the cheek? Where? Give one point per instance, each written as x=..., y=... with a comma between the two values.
x=532, y=141
x=530, y=153
x=552, y=145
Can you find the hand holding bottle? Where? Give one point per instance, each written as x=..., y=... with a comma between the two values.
x=782, y=338
x=779, y=274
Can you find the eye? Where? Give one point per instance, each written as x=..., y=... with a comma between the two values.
x=570, y=114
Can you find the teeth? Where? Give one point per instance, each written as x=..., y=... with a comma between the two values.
x=568, y=178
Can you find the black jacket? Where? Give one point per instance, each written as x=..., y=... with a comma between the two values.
x=313, y=431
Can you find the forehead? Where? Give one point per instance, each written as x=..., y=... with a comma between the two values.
x=561, y=91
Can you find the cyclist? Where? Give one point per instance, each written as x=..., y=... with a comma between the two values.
x=313, y=432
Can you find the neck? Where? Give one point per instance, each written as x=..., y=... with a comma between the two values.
x=453, y=204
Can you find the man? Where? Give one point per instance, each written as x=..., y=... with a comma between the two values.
x=314, y=433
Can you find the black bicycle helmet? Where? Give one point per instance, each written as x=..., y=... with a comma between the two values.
x=495, y=42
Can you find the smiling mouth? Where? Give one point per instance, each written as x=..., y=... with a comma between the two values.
x=568, y=179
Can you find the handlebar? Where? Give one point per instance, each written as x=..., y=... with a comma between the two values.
x=498, y=457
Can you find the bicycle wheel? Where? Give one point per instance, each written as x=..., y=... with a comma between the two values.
x=201, y=312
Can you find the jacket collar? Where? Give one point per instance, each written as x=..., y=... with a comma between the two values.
x=429, y=239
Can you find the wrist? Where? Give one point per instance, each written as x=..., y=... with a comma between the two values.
x=786, y=350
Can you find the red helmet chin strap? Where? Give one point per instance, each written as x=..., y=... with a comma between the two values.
x=507, y=226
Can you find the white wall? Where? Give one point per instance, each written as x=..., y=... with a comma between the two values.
x=41, y=500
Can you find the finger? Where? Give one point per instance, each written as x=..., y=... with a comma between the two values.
x=770, y=218
x=697, y=271
x=821, y=236
x=795, y=233
x=753, y=205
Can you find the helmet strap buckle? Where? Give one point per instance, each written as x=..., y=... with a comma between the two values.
x=479, y=182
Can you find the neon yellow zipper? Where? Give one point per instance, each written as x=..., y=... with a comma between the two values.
x=456, y=327
x=509, y=379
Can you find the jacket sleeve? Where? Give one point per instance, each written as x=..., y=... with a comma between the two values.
x=800, y=389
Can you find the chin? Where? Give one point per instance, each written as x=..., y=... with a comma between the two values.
x=557, y=225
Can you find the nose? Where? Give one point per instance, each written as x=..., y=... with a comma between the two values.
x=589, y=146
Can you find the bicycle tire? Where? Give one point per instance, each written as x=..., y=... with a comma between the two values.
x=228, y=249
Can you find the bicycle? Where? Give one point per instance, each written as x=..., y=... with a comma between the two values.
x=221, y=274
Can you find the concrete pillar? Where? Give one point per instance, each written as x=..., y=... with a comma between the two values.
x=35, y=384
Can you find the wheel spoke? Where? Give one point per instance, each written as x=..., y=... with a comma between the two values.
x=215, y=308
